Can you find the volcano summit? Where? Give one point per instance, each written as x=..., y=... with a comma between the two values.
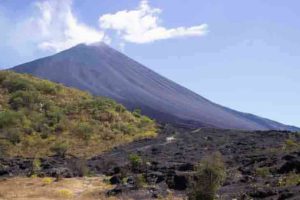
x=104, y=71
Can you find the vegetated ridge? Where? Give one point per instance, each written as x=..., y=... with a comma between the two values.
x=41, y=118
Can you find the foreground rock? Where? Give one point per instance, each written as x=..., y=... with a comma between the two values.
x=260, y=165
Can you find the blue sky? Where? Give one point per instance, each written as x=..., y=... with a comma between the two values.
x=242, y=54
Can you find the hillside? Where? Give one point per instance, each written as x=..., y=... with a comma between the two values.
x=40, y=118
x=104, y=71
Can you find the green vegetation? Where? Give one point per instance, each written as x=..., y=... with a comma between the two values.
x=210, y=174
x=36, y=166
x=291, y=179
x=3, y=148
x=84, y=131
x=39, y=117
x=290, y=145
x=140, y=181
x=262, y=172
x=60, y=148
x=135, y=161
x=47, y=180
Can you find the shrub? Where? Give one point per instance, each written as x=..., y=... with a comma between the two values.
x=145, y=121
x=84, y=131
x=54, y=116
x=98, y=103
x=42, y=128
x=120, y=108
x=140, y=181
x=60, y=148
x=4, y=146
x=26, y=99
x=103, y=116
x=262, y=172
x=3, y=76
x=291, y=179
x=13, y=135
x=290, y=144
x=137, y=113
x=14, y=84
x=62, y=125
x=210, y=174
x=9, y=118
x=127, y=128
x=47, y=180
x=135, y=161
x=47, y=87
x=36, y=166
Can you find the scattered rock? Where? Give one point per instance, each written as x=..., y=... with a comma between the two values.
x=186, y=167
x=117, y=190
x=60, y=172
x=177, y=181
x=115, y=180
x=285, y=195
x=262, y=192
x=291, y=165
x=155, y=177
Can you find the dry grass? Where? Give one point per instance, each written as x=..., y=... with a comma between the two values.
x=36, y=189
x=87, y=188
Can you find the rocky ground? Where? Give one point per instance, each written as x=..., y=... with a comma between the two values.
x=259, y=165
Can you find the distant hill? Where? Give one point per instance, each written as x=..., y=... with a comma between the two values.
x=104, y=71
x=39, y=117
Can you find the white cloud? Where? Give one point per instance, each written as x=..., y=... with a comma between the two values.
x=52, y=26
x=142, y=25
x=59, y=28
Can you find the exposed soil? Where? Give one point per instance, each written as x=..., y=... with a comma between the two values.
x=47, y=189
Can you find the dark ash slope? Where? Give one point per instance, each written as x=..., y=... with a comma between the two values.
x=104, y=71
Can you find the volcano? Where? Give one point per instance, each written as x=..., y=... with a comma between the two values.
x=103, y=71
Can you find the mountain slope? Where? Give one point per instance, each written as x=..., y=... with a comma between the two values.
x=104, y=71
x=38, y=118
